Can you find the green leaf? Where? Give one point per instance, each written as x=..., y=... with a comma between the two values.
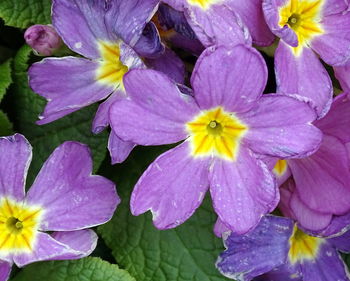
x=5, y=77
x=87, y=269
x=45, y=138
x=185, y=253
x=5, y=125
x=23, y=13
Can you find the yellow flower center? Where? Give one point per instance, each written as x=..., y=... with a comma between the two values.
x=216, y=132
x=203, y=4
x=280, y=167
x=18, y=226
x=111, y=70
x=303, y=246
x=303, y=16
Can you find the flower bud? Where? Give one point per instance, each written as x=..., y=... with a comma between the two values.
x=43, y=39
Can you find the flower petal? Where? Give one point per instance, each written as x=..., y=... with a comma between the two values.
x=71, y=197
x=257, y=252
x=241, y=198
x=127, y=19
x=172, y=187
x=280, y=126
x=327, y=266
x=233, y=78
x=46, y=248
x=170, y=64
x=211, y=26
x=303, y=75
x=157, y=111
x=5, y=270
x=336, y=122
x=68, y=84
x=119, y=149
x=322, y=179
x=83, y=242
x=252, y=16
x=80, y=24
x=220, y=229
x=15, y=157
x=334, y=45
x=342, y=74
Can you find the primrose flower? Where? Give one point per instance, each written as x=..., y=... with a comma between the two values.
x=321, y=181
x=224, y=123
x=110, y=36
x=50, y=222
x=43, y=39
x=278, y=250
x=308, y=28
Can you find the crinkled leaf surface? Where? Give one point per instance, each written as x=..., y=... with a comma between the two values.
x=23, y=13
x=185, y=253
x=5, y=77
x=5, y=125
x=87, y=269
x=46, y=138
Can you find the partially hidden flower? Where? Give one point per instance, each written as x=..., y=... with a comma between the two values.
x=319, y=189
x=226, y=22
x=343, y=75
x=43, y=39
x=308, y=29
x=50, y=221
x=224, y=123
x=278, y=250
x=111, y=37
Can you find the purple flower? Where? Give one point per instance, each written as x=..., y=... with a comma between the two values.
x=308, y=28
x=223, y=22
x=277, y=250
x=43, y=39
x=110, y=37
x=65, y=200
x=320, y=188
x=224, y=123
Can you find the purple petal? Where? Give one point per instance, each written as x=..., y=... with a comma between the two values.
x=342, y=242
x=81, y=24
x=46, y=248
x=338, y=226
x=74, y=85
x=252, y=15
x=334, y=45
x=336, y=122
x=322, y=180
x=172, y=187
x=307, y=218
x=241, y=198
x=328, y=266
x=157, y=111
x=285, y=272
x=332, y=7
x=101, y=120
x=149, y=45
x=303, y=75
x=233, y=78
x=5, y=270
x=127, y=19
x=272, y=17
x=119, y=149
x=15, y=158
x=220, y=229
x=71, y=197
x=83, y=242
x=257, y=252
x=342, y=74
x=212, y=25
x=280, y=126
x=170, y=64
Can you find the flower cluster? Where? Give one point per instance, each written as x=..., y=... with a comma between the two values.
x=254, y=151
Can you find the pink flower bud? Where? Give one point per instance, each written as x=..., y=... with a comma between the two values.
x=43, y=39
